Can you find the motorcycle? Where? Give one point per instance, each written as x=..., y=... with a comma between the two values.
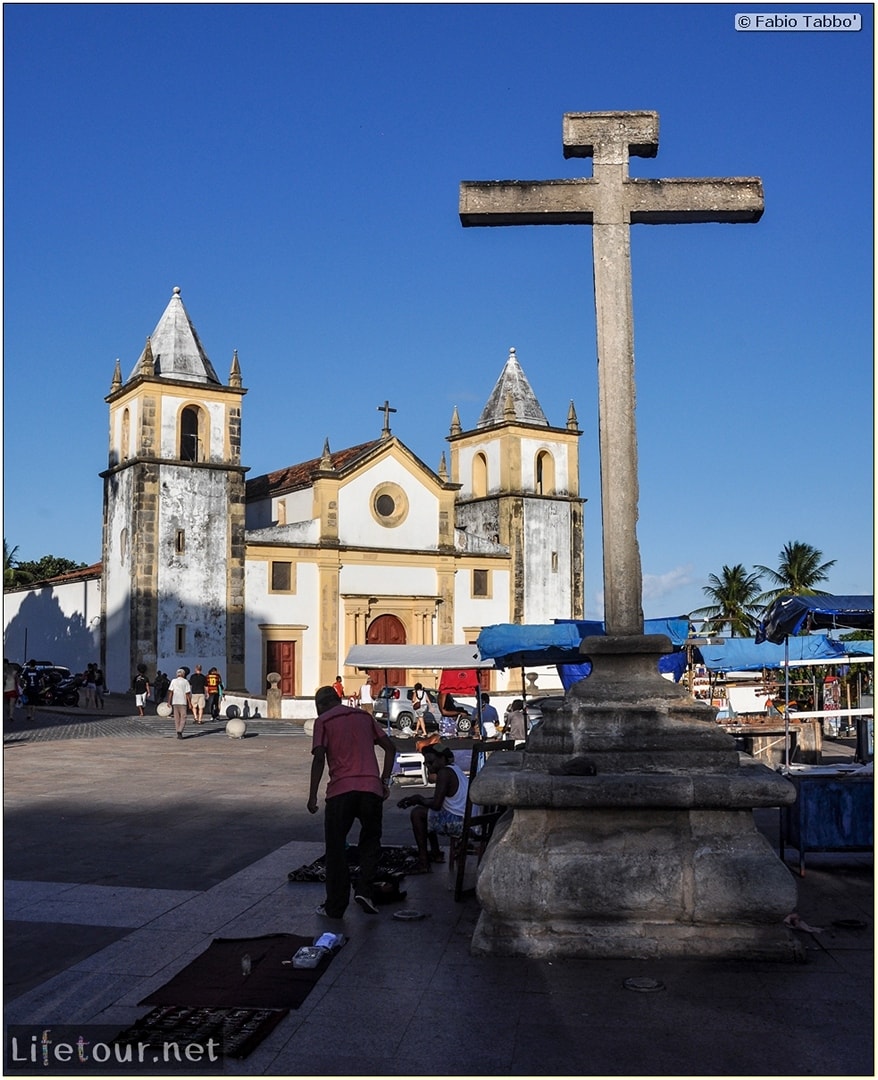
x=64, y=692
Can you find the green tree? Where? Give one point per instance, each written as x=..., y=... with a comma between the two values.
x=735, y=594
x=48, y=566
x=17, y=573
x=800, y=568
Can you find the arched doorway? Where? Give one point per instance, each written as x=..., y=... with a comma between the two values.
x=385, y=630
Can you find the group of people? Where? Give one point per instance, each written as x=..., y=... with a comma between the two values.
x=195, y=692
x=27, y=684
x=344, y=742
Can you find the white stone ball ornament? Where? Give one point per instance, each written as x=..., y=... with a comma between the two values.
x=235, y=728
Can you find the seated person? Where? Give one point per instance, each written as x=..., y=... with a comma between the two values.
x=443, y=813
x=449, y=709
x=448, y=706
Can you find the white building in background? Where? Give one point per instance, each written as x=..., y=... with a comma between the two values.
x=284, y=572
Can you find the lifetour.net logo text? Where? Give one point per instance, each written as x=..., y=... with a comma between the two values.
x=88, y=1049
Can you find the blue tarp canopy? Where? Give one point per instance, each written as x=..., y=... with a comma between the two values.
x=515, y=645
x=675, y=629
x=512, y=645
x=744, y=654
x=787, y=615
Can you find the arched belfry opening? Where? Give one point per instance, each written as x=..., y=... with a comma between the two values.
x=480, y=475
x=192, y=434
x=544, y=473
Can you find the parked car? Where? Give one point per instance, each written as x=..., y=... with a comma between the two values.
x=536, y=708
x=394, y=705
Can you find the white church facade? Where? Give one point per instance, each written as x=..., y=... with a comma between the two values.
x=284, y=572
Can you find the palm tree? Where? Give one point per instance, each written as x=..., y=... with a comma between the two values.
x=799, y=570
x=15, y=573
x=8, y=564
x=734, y=594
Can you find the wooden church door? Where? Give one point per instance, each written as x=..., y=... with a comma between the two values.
x=280, y=656
x=386, y=630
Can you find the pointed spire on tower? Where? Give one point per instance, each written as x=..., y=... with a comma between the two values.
x=235, y=372
x=443, y=468
x=116, y=384
x=526, y=408
x=326, y=457
x=572, y=421
x=147, y=361
x=455, y=423
x=177, y=351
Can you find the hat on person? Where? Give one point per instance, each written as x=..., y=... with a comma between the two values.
x=440, y=749
x=326, y=698
x=181, y=671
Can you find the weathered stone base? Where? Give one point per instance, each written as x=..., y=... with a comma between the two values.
x=631, y=830
x=637, y=883
x=644, y=940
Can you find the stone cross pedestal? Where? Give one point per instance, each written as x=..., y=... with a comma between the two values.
x=631, y=832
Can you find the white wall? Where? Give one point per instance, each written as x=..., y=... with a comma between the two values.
x=60, y=624
x=357, y=525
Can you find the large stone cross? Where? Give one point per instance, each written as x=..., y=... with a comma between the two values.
x=610, y=202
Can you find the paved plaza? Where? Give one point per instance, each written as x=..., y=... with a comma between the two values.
x=126, y=851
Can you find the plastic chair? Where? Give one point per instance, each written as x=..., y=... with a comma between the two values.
x=410, y=767
x=479, y=822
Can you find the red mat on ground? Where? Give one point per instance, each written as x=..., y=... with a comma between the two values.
x=216, y=978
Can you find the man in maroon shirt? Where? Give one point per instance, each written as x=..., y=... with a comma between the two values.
x=345, y=740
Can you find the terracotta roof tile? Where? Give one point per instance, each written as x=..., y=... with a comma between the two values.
x=301, y=475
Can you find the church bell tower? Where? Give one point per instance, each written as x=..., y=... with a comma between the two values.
x=519, y=480
x=172, y=591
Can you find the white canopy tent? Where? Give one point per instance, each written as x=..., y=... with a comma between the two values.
x=415, y=656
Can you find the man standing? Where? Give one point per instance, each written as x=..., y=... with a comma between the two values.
x=345, y=740
x=140, y=685
x=197, y=687
x=11, y=688
x=214, y=692
x=179, y=698
x=490, y=717
x=31, y=685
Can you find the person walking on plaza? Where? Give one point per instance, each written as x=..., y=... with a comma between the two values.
x=160, y=687
x=214, y=692
x=338, y=687
x=89, y=688
x=345, y=740
x=100, y=687
x=11, y=688
x=180, y=699
x=420, y=704
x=140, y=684
x=31, y=683
x=366, y=699
x=197, y=687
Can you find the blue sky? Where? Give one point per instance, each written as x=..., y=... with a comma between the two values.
x=295, y=170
